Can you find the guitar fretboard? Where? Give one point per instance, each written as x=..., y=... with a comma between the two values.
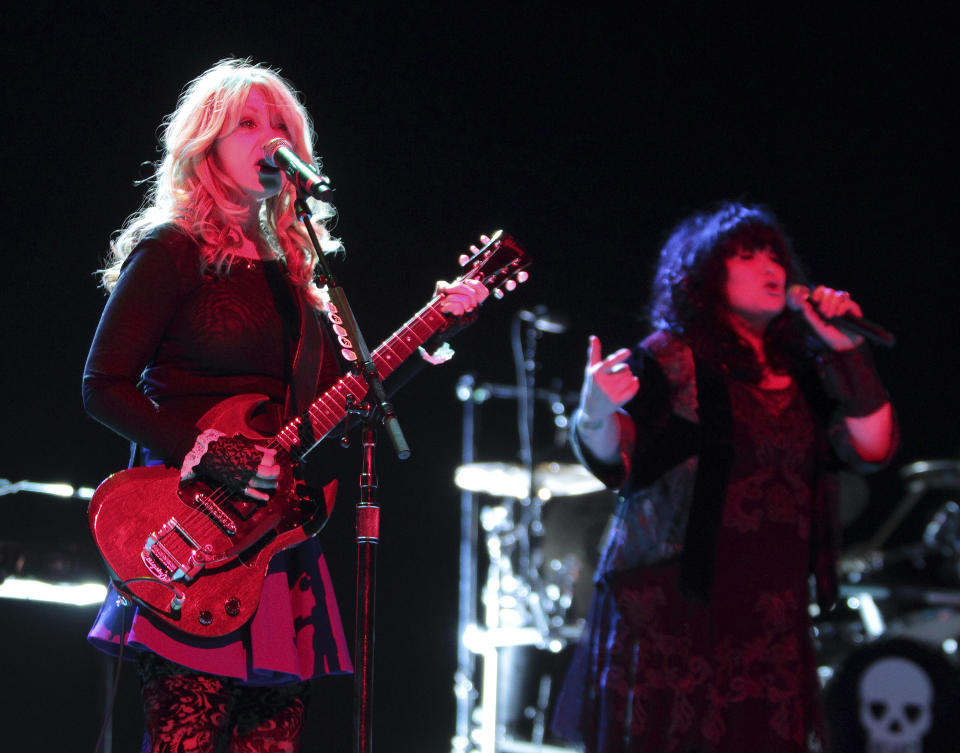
x=329, y=409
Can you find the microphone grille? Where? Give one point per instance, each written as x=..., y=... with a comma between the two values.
x=271, y=148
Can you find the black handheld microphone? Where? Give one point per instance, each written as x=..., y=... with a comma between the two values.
x=848, y=322
x=279, y=153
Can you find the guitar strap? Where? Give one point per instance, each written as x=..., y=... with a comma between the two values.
x=308, y=355
x=312, y=369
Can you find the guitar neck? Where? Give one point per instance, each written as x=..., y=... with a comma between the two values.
x=306, y=431
x=500, y=262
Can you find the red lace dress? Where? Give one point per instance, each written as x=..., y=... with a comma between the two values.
x=737, y=674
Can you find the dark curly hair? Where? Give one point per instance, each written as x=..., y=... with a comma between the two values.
x=688, y=292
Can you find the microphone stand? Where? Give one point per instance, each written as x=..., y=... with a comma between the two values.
x=368, y=512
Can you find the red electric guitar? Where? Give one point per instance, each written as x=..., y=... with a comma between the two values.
x=196, y=556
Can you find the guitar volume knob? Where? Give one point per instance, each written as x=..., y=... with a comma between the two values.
x=232, y=606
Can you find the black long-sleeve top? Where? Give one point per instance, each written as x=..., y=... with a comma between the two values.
x=173, y=341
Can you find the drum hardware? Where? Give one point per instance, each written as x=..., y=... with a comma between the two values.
x=863, y=565
x=941, y=473
x=514, y=597
x=919, y=478
x=855, y=621
x=943, y=531
x=527, y=597
x=864, y=604
x=867, y=613
x=904, y=581
x=918, y=545
x=857, y=565
x=924, y=596
x=938, y=627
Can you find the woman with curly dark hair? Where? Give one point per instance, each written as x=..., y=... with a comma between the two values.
x=722, y=431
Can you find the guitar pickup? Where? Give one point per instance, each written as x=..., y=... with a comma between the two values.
x=216, y=513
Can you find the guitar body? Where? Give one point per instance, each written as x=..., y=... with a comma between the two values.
x=204, y=572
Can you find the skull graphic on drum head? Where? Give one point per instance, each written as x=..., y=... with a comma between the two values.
x=894, y=695
x=896, y=699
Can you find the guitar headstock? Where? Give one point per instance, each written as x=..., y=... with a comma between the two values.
x=499, y=264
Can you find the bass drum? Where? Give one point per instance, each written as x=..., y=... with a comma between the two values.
x=893, y=695
x=566, y=553
x=528, y=685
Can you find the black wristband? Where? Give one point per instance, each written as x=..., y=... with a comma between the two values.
x=850, y=378
x=230, y=460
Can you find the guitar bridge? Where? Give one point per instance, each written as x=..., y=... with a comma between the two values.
x=160, y=559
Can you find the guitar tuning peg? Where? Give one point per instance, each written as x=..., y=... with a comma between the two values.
x=511, y=285
x=522, y=276
x=463, y=259
x=498, y=294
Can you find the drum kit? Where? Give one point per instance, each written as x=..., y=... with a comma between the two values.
x=540, y=539
x=531, y=525
x=540, y=535
x=888, y=652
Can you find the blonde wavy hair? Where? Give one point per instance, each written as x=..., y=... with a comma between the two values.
x=189, y=190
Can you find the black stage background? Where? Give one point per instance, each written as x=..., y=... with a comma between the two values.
x=585, y=133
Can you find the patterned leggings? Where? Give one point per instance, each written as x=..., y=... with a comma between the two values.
x=191, y=712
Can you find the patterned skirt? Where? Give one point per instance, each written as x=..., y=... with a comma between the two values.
x=295, y=635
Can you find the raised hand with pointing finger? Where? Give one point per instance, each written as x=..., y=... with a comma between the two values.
x=608, y=382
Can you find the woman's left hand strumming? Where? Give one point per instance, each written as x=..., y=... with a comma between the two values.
x=825, y=303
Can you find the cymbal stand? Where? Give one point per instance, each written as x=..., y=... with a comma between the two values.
x=503, y=597
x=523, y=340
x=473, y=638
x=513, y=615
x=464, y=689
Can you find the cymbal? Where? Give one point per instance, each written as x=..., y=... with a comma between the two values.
x=932, y=473
x=511, y=480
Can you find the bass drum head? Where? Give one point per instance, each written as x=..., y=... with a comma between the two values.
x=893, y=695
x=568, y=550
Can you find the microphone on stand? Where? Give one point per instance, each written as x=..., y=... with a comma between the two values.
x=279, y=153
x=848, y=322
